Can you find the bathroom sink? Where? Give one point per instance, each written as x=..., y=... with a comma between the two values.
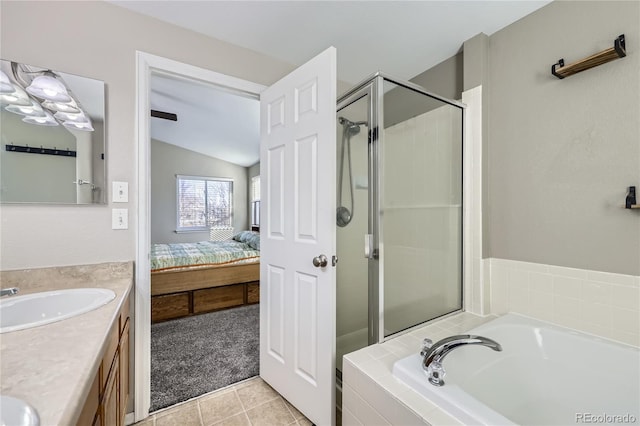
x=16, y=412
x=33, y=310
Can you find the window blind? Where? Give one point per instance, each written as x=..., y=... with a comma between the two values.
x=204, y=203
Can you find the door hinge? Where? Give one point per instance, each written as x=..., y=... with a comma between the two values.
x=334, y=260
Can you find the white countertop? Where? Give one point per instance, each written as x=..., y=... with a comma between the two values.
x=51, y=367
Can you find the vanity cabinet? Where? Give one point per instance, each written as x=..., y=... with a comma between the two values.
x=123, y=392
x=106, y=403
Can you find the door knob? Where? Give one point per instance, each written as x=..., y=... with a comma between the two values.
x=320, y=261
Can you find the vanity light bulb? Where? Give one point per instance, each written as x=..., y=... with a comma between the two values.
x=69, y=107
x=50, y=93
x=47, y=120
x=26, y=110
x=77, y=118
x=49, y=88
x=34, y=109
x=18, y=97
x=5, y=84
x=78, y=126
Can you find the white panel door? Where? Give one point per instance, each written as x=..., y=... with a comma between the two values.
x=297, y=299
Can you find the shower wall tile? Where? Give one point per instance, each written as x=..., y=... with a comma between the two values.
x=600, y=303
x=541, y=283
x=625, y=296
x=498, y=288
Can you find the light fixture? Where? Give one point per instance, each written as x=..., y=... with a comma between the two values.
x=33, y=110
x=66, y=116
x=18, y=97
x=46, y=93
x=5, y=84
x=49, y=88
x=69, y=107
x=87, y=127
x=47, y=120
x=75, y=121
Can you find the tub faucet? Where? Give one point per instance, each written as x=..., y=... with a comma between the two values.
x=433, y=353
x=8, y=291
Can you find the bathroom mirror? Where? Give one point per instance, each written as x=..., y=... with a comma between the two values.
x=52, y=128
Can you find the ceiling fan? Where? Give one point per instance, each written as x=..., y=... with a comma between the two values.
x=164, y=115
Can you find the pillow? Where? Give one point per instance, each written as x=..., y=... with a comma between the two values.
x=253, y=241
x=241, y=236
x=244, y=236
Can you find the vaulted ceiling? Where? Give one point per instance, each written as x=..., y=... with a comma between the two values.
x=401, y=38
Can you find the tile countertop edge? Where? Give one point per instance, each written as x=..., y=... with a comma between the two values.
x=57, y=382
x=376, y=363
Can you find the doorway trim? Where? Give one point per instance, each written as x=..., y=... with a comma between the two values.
x=146, y=65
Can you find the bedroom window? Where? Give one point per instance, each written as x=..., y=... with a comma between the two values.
x=255, y=201
x=204, y=202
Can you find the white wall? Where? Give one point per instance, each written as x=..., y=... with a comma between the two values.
x=99, y=40
x=563, y=152
x=167, y=161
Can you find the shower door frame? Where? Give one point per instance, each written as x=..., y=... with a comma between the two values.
x=373, y=86
x=354, y=95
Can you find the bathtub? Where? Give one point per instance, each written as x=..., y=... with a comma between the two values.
x=545, y=375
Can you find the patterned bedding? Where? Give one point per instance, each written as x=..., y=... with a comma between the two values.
x=205, y=253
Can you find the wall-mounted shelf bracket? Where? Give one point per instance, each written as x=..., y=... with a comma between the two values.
x=618, y=50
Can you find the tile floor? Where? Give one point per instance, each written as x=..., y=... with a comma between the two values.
x=251, y=402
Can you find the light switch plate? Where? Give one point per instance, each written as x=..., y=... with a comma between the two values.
x=120, y=192
x=119, y=218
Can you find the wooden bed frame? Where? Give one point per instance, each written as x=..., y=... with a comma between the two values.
x=181, y=293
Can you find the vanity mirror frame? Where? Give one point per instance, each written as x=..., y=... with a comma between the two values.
x=59, y=162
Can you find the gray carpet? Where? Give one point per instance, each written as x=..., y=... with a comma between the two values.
x=199, y=354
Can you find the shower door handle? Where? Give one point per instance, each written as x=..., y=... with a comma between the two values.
x=368, y=246
x=320, y=261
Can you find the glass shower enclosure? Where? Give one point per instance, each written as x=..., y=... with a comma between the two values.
x=399, y=210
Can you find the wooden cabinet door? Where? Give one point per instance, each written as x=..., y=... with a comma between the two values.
x=124, y=371
x=98, y=420
x=91, y=405
x=110, y=412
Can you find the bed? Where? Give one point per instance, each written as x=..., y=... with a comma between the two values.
x=194, y=278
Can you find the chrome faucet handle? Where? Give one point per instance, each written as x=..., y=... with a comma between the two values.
x=9, y=291
x=433, y=356
x=436, y=373
x=426, y=345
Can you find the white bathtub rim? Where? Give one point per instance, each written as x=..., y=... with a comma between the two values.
x=464, y=406
x=529, y=320
x=466, y=409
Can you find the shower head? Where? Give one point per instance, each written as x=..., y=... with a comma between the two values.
x=352, y=127
x=343, y=216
